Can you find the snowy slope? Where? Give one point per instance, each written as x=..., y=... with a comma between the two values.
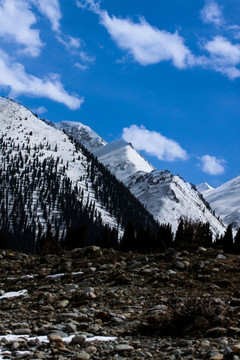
x=204, y=187
x=77, y=130
x=225, y=200
x=122, y=160
x=25, y=134
x=166, y=196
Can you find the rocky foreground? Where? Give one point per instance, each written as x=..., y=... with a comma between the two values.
x=94, y=303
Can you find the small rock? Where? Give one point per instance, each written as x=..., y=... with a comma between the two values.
x=83, y=355
x=91, y=350
x=236, y=348
x=221, y=257
x=205, y=343
x=62, y=304
x=123, y=347
x=200, y=322
x=217, y=357
x=79, y=339
x=70, y=287
x=216, y=331
x=47, y=308
x=54, y=338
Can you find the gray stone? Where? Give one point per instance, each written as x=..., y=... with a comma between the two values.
x=70, y=288
x=123, y=347
x=79, y=339
x=83, y=355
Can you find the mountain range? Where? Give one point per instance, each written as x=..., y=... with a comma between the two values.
x=225, y=201
x=59, y=175
x=166, y=196
x=49, y=182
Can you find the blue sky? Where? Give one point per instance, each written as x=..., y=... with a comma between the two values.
x=164, y=75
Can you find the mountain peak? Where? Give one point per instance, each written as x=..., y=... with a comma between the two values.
x=204, y=187
x=89, y=138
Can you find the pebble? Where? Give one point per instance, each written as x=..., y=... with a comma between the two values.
x=123, y=347
x=83, y=355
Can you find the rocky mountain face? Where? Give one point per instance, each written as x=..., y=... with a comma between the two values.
x=225, y=201
x=50, y=182
x=166, y=196
x=89, y=139
x=97, y=303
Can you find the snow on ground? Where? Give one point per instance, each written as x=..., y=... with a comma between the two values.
x=44, y=338
x=12, y=294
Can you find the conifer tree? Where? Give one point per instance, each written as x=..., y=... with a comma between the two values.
x=237, y=242
x=128, y=240
x=228, y=240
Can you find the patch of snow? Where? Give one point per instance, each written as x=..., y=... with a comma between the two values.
x=77, y=273
x=55, y=276
x=12, y=294
x=44, y=339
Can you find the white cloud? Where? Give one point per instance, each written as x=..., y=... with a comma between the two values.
x=16, y=20
x=212, y=13
x=211, y=165
x=50, y=9
x=70, y=43
x=224, y=56
x=235, y=29
x=93, y=5
x=154, y=143
x=147, y=44
x=81, y=66
x=13, y=75
x=40, y=110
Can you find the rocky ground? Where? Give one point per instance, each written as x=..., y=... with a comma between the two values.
x=97, y=303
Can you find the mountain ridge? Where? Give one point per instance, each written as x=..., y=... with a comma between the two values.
x=225, y=201
x=49, y=180
x=164, y=196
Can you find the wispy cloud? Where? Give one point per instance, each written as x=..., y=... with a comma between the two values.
x=154, y=143
x=224, y=56
x=94, y=5
x=74, y=46
x=212, y=13
x=50, y=9
x=17, y=19
x=69, y=42
x=211, y=165
x=14, y=76
x=81, y=66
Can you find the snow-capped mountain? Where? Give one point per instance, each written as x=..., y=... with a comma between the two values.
x=122, y=160
x=204, y=187
x=225, y=201
x=76, y=130
x=48, y=180
x=166, y=196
